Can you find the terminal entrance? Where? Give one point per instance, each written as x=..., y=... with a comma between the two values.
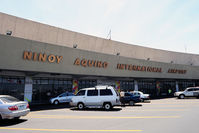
x=46, y=88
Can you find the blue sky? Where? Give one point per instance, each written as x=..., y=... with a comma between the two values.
x=163, y=24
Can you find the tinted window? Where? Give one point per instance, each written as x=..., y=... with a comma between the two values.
x=9, y=99
x=136, y=94
x=70, y=94
x=62, y=95
x=105, y=92
x=190, y=90
x=92, y=93
x=81, y=93
x=127, y=94
x=195, y=89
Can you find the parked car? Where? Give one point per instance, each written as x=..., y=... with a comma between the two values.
x=96, y=97
x=142, y=95
x=127, y=97
x=11, y=107
x=188, y=92
x=62, y=98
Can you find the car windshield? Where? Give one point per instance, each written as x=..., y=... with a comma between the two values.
x=70, y=94
x=9, y=99
x=116, y=92
x=141, y=93
x=81, y=93
x=62, y=95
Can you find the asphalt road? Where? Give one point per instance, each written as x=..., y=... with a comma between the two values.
x=159, y=116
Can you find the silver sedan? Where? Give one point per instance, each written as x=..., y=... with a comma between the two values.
x=11, y=107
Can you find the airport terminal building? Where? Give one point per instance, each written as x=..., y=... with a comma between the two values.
x=38, y=61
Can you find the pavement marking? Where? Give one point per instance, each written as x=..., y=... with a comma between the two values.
x=163, y=103
x=161, y=110
x=129, y=110
x=101, y=117
x=68, y=130
x=57, y=110
x=168, y=105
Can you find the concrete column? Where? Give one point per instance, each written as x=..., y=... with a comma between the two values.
x=177, y=87
x=135, y=85
x=28, y=89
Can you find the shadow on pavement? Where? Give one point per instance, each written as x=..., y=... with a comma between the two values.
x=10, y=122
x=146, y=101
x=135, y=105
x=98, y=109
x=187, y=98
x=48, y=107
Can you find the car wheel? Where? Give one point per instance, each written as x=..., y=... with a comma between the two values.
x=56, y=102
x=181, y=96
x=1, y=118
x=80, y=106
x=131, y=103
x=107, y=106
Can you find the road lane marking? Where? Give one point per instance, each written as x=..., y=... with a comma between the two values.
x=134, y=110
x=67, y=130
x=101, y=117
x=161, y=110
x=56, y=110
x=168, y=105
x=164, y=103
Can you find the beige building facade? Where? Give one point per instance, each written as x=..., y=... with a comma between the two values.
x=40, y=61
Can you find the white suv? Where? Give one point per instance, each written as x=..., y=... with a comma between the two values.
x=97, y=97
x=188, y=92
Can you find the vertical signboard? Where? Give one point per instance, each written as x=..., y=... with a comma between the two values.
x=117, y=87
x=28, y=89
x=75, y=86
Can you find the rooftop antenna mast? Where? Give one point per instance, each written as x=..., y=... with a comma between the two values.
x=109, y=35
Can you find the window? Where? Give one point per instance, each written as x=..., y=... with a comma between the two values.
x=105, y=92
x=92, y=93
x=14, y=86
x=46, y=88
x=70, y=94
x=86, y=83
x=44, y=81
x=127, y=94
x=62, y=95
x=196, y=89
x=136, y=94
x=81, y=93
x=127, y=85
x=9, y=99
x=190, y=89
